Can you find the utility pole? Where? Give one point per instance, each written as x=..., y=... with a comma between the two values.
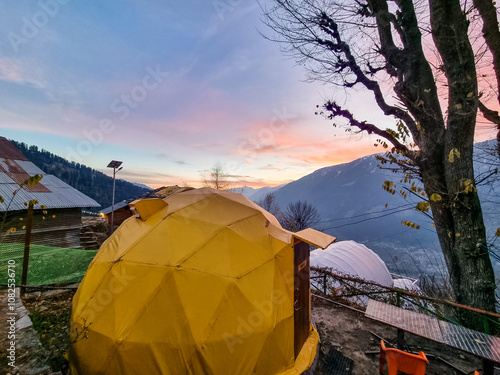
x=114, y=164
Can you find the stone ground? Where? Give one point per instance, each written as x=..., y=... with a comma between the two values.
x=29, y=352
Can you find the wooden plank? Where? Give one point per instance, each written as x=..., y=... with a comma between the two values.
x=302, y=300
x=470, y=341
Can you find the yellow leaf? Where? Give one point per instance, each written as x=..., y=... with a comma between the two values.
x=459, y=106
x=457, y=234
x=454, y=153
x=410, y=224
x=436, y=197
x=469, y=95
x=469, y=186
x=423, y=206
x=497, y=233
x=427, y=90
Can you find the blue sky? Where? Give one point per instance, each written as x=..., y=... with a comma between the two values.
x=167, y=87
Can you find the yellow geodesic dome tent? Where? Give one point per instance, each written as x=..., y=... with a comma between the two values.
x=201, y=282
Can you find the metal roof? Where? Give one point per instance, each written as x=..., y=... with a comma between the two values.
x=61, y=195
x=9, y=151
x=51, y=192
x=117, y=206
x=29, y=167
x=161, y=192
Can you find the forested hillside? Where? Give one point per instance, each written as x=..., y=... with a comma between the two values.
x=89, y=181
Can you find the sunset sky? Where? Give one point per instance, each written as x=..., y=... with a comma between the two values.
x=169, y=88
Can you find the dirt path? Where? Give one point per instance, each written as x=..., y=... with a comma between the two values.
x=349, y=332
x=29, y=353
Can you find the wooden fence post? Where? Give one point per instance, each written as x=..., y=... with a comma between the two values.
x=27, y=242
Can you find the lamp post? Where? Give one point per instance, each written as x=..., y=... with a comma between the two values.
x=114, y=164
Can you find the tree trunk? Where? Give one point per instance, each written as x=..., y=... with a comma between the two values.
x=445, y=157
x=445, y=139
x=491, y=33
x=458, y=215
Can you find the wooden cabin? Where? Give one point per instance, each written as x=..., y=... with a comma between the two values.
x=57, y=217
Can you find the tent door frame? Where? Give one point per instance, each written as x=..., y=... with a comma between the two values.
x=301, y=295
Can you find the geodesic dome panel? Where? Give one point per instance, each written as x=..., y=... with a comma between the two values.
x=200, y=283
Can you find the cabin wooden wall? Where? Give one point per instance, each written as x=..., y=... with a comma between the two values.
x=52, y=227
x=120, y=216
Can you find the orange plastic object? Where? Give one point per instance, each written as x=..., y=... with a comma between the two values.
x=399, y=360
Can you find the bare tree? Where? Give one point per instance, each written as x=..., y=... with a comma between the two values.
x=376, y=44
x=269, y=204
x=217, y=177
x=300, y=215
x=491, y=33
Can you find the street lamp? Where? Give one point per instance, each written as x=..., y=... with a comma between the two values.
x=114, y=164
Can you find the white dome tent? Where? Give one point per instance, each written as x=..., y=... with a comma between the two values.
x=352, y=259
x=410, y=285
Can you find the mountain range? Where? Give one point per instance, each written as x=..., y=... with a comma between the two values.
x=349, y=198
x=354, y=206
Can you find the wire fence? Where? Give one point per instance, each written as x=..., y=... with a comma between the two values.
x=355, y=293
x=47, y=264
x=61, y=244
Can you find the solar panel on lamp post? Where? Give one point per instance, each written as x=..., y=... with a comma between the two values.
x=114, y=164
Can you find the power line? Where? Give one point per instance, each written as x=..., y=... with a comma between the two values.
x=367, y=214
x=370, y=218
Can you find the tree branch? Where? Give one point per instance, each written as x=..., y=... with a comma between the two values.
x=329, y=26
x=336, y=111
x=491, y=33
x=492, y=116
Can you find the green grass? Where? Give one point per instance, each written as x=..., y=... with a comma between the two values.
x=47, y=265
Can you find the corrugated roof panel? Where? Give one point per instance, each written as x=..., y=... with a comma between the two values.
x=51, y=192
x=29, y=167
x=4, y=179
x=9, y=151
x=62, y=195
x=67, y=195
x=117, y=206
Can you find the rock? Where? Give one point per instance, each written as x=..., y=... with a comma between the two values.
x=34, y=294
